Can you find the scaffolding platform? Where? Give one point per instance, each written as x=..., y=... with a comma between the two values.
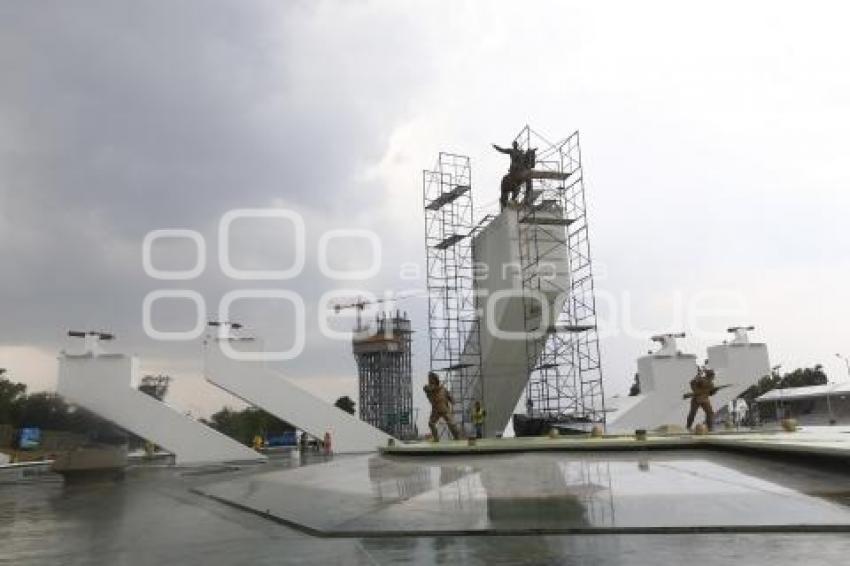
x=456, y=367
x=448, y=197
x=546, y=221
x=543, y=174
x=450, y=241
x=573, y=328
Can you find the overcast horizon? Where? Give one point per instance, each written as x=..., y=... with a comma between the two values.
x=713, y=142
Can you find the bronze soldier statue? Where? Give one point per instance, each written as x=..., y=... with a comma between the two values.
x=441, y=407
x=702, y=388
x=512, y=181
x=522, y=171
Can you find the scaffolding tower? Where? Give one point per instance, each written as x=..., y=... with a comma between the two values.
x=383, y=355
x=565, y=383
x=453, y=327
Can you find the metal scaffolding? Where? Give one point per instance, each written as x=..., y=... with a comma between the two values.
x=453, y=329
x=565, y=382
x=383, y=366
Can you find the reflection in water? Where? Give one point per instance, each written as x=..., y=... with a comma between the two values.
x=105, y=521
x=555, y=492
x=547, y=493
x=502, y=492
x=49, y=517
x=398, y=481
x=598, y=550
x=542, y=497
x=151, y=518
x=510, y=492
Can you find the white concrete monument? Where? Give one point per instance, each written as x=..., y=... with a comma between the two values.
x=664, y=376
x=503, y=337
x=107, y=384
x=737, y=364
x=257, y=384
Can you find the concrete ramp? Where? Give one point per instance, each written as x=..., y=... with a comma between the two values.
x=255, y=383
x=106, y=385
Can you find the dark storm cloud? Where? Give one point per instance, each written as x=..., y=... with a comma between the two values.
x=709, y=165
x=121, y=118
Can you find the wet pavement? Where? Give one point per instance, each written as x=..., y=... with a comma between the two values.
x=153, y=517
x=549, y=492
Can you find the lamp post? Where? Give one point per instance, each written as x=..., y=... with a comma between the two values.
x=829, y=403
x=829, y=407
x=780, y=406
x=846, y=362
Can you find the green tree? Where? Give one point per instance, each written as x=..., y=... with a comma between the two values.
x=155, y=385
x=44, y=410
x=11, y=395
x=47, y=411
x=801, y=377
x=244, y=425
x=345, y=403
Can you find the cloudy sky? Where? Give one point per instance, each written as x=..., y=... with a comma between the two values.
x=714, y=138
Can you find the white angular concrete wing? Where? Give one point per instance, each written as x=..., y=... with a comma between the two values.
x=503, y=337
x=739, y=365
x=106, y=385
x=260, y=386
x=664, y=379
